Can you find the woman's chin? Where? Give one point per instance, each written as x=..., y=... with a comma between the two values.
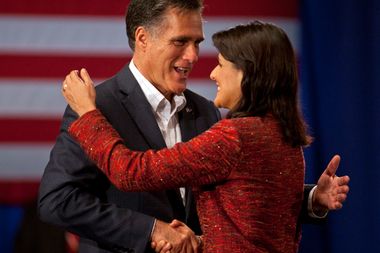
x=220, y=106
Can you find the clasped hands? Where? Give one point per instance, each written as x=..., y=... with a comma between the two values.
x=174, y=237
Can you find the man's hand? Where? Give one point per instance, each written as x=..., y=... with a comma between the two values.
x=174, y=237
x=331, y=190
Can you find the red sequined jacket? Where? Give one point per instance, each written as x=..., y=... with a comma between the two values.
x=248, y=183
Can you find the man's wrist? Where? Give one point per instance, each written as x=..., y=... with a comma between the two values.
x=312, y=210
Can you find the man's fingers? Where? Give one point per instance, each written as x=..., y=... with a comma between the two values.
x=190, y=248
x=342, y=197
x=176, y=223
x=167, y=247
x=159, y=246
x=333, y=166
x=344, y=180
x=343, y=189
x=194, y=243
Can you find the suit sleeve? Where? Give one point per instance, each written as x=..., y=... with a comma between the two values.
x=206, y=159
x=71, y=196
x=304, y=216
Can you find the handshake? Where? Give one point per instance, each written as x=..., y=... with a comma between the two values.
x=175, y=237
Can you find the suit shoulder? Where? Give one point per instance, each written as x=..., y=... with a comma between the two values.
x=202, y=106
x=106, y=86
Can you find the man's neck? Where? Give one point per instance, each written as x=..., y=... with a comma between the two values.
x=140, y=67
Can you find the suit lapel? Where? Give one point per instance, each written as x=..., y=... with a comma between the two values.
x=135, y=102
x=188, y=131
x=186, y=120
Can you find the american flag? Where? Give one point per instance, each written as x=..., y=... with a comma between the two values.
x=42, y=40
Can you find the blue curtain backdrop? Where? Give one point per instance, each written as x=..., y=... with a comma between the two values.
x=340, y=78
x=10, y=218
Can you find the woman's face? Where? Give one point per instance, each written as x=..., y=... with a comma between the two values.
x=228, y=81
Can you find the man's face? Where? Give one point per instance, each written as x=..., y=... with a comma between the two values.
x=172, y=50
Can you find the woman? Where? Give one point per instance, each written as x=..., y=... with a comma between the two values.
x=247, y=171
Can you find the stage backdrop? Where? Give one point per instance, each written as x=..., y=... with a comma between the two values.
x=42, y=40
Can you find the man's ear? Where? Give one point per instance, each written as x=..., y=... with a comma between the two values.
x=141, y=36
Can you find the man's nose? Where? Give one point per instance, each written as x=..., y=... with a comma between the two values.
x=191, y=53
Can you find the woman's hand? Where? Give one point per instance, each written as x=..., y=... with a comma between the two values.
x=79, y=92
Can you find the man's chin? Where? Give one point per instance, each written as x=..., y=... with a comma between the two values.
x=179, y=92
x=180, y=88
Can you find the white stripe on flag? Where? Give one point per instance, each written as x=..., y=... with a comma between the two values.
x=18, y=161
x=42, y=98
x=100, y=35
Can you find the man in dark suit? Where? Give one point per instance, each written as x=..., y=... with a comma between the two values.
x=148, y=104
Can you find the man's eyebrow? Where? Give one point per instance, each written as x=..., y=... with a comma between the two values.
x=186, y=38
x=200, y=39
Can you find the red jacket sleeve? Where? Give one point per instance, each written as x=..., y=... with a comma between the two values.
x=206, y=159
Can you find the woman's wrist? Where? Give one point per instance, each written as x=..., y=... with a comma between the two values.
x=83, y=111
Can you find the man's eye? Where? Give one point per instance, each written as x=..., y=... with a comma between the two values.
x=179, y=42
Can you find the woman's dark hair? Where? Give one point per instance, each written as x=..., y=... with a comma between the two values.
x=270, y=80
x=149, y=13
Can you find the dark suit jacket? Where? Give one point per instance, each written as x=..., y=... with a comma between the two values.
x=77, y=196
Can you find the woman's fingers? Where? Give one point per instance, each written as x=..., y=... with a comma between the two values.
x=85, y=76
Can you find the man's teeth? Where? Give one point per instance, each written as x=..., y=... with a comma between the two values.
x=183, y=70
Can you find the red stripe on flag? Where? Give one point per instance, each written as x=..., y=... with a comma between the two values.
x=67, y=7
x=18, y=192
x=50, y=66
x=271, y=8
x=277, y=8
x=29, y=130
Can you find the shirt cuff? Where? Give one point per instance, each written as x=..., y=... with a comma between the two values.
x=153, y=227
x=310, y=206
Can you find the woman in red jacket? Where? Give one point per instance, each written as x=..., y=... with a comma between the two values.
x=247, y=171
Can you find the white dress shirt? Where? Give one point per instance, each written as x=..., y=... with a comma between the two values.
x=165, y=111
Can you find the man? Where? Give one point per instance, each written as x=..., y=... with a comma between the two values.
x=147, y=102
